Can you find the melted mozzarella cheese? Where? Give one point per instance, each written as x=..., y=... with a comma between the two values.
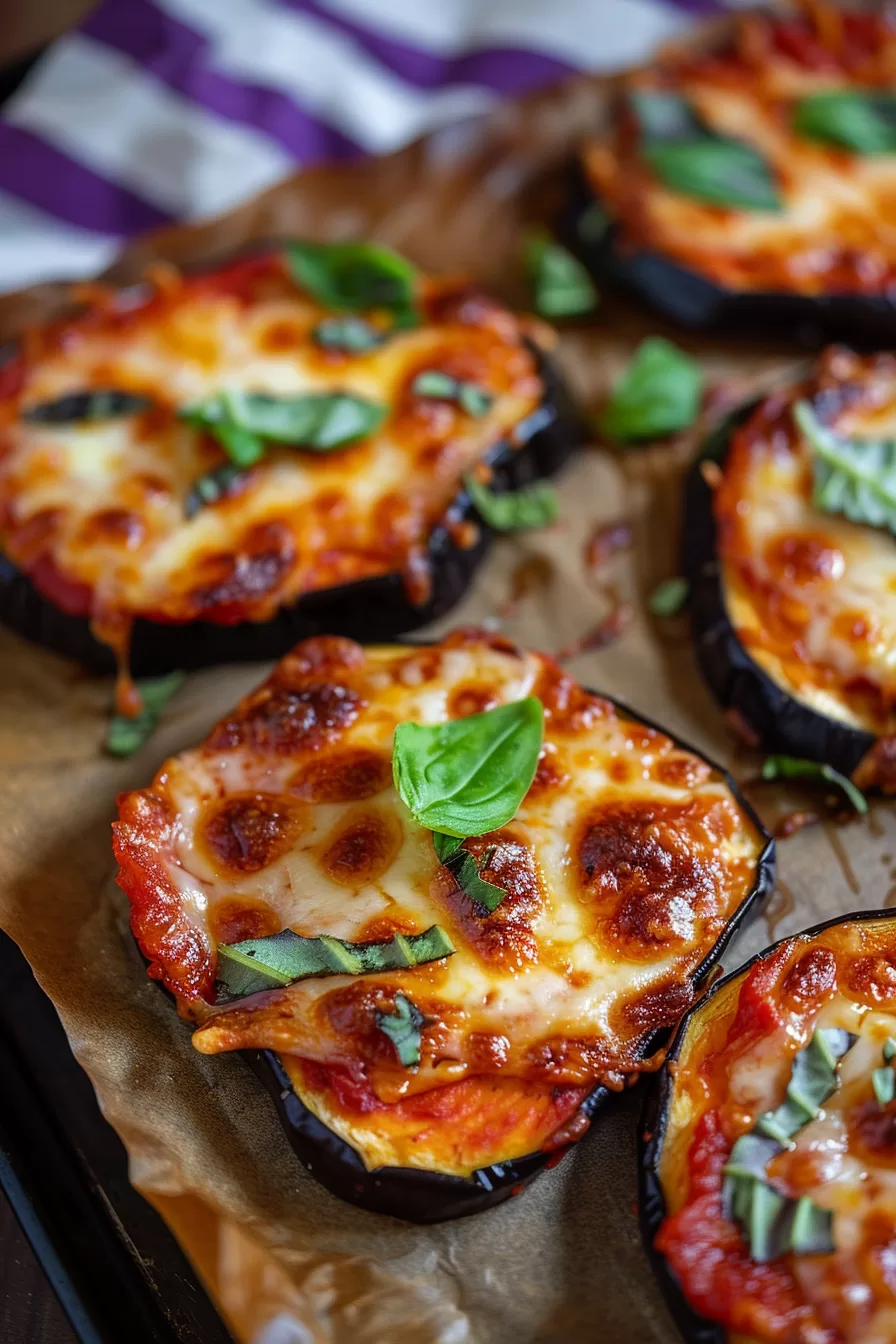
x=811, y=594
x=622, y=866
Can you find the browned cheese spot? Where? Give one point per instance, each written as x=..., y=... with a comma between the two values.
x=362, y=848
x=347, y=776
x=247, y=833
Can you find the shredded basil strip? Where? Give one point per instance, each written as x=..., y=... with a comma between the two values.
x=791, y=767
x=561, y=285
x=403, y=1029
x=283, y=958
x=243, y=422
x=468, y=776
x=353, y=335
x=658, y=394
x=212, y=486
x=125, y=736
x=442, y=387
x=99, y=404
x=535, y=505
x=884, y=1083
x=358, y=277
x=889, y=1049
x=669, y=597
x=689, y=157
x=864, y=122
x=467, y=872
x=853, y=477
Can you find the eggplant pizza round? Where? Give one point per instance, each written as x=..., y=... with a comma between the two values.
x=750, y=179
x=444, y=897
x=768, y=1193
x=206, y=467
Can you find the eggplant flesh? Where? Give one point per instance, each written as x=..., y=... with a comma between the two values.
x=375, y=610
x=420, y=1196
x=695, y=301
x=780, y=722
x=696, y=1328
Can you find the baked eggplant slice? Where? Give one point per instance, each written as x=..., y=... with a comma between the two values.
x=207, y=469
x=440, y=954
x=744, y=183
x=768, y=1145
x=792, y=594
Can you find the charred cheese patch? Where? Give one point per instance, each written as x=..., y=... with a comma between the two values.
x=286, y=817
x=812, y=595
x=834, y=233
x=735, y=1066
x=95, y=512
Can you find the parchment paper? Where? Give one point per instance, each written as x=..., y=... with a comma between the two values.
x=288, y=1261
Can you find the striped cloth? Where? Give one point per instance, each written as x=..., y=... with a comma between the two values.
x=160, y=110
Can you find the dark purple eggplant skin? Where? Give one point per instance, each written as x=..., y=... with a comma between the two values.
x=780, y=722
x=432, y=1197
x=695, y=1328
x=375, y=610
x=694, y=301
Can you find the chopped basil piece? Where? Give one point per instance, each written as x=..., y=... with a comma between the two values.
x=98, y=404
x=316, y=421
x=268, y=963
x=884, y=1083
x=125, y=736
x=889, y=1049
x=561, y=286
x=658, y=394
x=662, y=115
x=864, y=122
x=403, y=1029
x=468, y=776
x=669, y=597
x=442, y=387
x=467, y=872
x=811, y=1229
x=791, y=767
x=751, y=1155
x=763, y=1225
x=211, y=487
x=813, y=1079
x=352, y=334
x=359, y=277
x=532, y=506
x=854, y=477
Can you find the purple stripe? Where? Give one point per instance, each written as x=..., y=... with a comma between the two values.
x=32, y=169
x=507, y=70
x=179, y=57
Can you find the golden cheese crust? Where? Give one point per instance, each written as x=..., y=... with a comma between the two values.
x=732, y=1069
x=833, y=233
x=95, y=513
x=623, y=865
x=811, y=595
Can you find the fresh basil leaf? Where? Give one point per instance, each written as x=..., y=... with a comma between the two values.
x=283, y=958
x=355, y=276
x=316, y=421
x=242, y=446
x=669, y=597
x=446, y=845
x=561, y=285
x=864, y=122
x=468, y=776
x=98, y=404
x=790, y=767
x=212, y=486
x=467, y=872
x=125, y=736
x=403, y=1029
x=884, y=1083
x=889, y=1049
x=716, y=170
x=353, y=335
x=811, y=1229
x=813, y=1078
x=658, y=394
x=532, y=506
x=853, y=477
x=442, y=387
x=665, y=116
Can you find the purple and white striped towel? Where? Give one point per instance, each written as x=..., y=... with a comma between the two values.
x=160, y=110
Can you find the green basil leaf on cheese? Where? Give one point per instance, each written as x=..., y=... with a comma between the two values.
x=811, y=1229
x=358, y=277
x=814, y=772
x=353, y=335
x=468, y=776
x=853, y=477
x=467, y=872
x=212, y=486
x=853, y=119
x=442, y=387
x=662, y=115
x=561, y=285
x=669, y=597
x=533, y=506
x=884, y=1083
x=658, y=394
x=105, y=403
x=889, y=1049
x=243, y=422
x=124, y=736
x=283, y=958
x=403, y=1027
x=715, y=170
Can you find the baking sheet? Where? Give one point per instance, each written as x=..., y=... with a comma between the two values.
x=290, y=1263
